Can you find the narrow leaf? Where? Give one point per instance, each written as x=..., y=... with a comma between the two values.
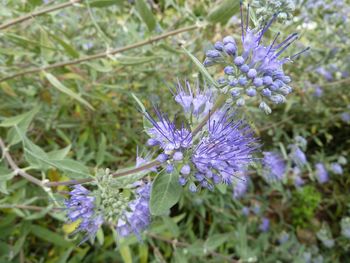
x=224, y=11
x=201, y=68
x=146, y=14
x=50, y=236
x=58, y=85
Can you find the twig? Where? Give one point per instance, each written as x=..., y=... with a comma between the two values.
x=28, y=207
x=342, y=81
x=37, y=13
x=15, y=168
x=102, y=54
x=149, y=165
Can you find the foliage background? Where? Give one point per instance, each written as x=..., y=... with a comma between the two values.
x=97, y=124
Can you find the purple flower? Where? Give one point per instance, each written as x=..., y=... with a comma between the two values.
x=240, y=186
x=81, y=206
x=274, y=167
x=336, y=168
x=318, y=92
x=298, y=156
x=165, y=133
x=225, y=151
x=245, y=211
x=265, y=224
x=199, y=102
x=137, y=216
x=321, y=173
x=345, y=117
x=262, y=64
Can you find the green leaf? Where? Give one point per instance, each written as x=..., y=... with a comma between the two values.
x=100, y=156
x=16, y=120
x=105, y=3
x=215, y=241
x=223, y=12
x=49, y=236
x=142, y=107
x=39, y=214
x=166, y=192
x=67, y=47
x=59, y=154
x=58, y=85
x=5, y=174
x=146, y=14
x=126, y=254
x=20, y=122
x=128, y=60
x=73, y=168
x=38, y=158
x=201, y=68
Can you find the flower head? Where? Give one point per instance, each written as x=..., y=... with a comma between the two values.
x=265, y=224
x=336, y=168
x=81, y=207
x=258, y=68
x=225, y=151
x=137, y=217
x=240, y=186
x=298, y=156
x=274, y=167
x=199, y=102
x=165, y=134
x=321, y=173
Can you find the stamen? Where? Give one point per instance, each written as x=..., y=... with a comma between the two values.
x=301, y=52
x=285, y=47
x=241, y=10
x=286, y=40
x=266, y=27
x=246, y=29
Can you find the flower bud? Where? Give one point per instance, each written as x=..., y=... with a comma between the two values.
x=185, y=170
x=228, y=70
x=240, y=102
x=252, y=73
x=162, y=157
x=230, y=48
x=251, y=92
x=219, y=46
x=264, y=107
x=178, y=156
x=239, y=61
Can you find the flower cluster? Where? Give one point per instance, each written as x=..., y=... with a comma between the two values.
x=256, y=71
x=197, y=102
x=137, y=216
x=81, y=207
x=128, y=212
x=266, y=8
x=164, y=134
x=224, y=151
x=274, y=167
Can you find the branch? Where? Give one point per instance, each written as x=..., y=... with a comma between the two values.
x=15, y=168
x=342, y=81
x=28, y=207
x=37, y=13
x=102, y=54
x=220, y=101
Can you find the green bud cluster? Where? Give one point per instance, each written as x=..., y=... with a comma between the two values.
x=113, y=201
x=265, y=9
